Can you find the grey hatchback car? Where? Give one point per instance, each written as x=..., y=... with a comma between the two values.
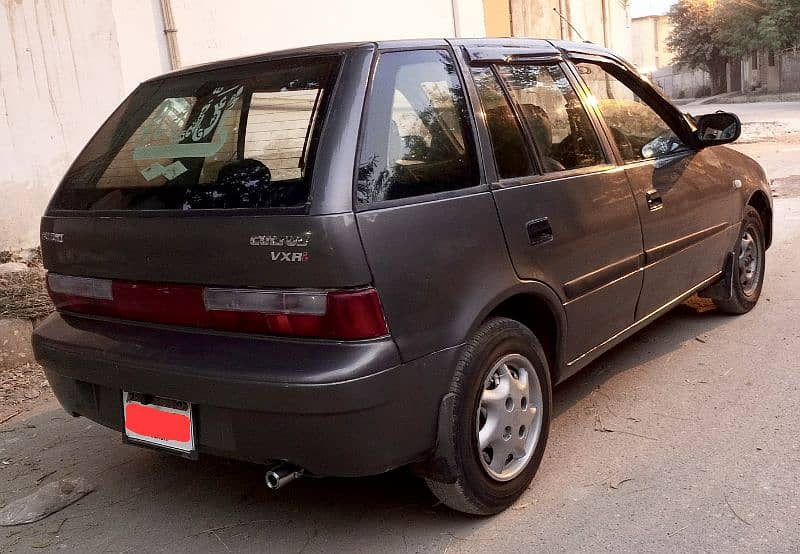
x=343, y=259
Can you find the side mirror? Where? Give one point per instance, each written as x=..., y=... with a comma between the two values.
x=718, y=128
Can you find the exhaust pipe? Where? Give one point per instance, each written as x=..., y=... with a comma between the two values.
x=281, y=475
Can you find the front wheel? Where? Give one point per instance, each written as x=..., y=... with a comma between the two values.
x=748, y=267
x=499, y=420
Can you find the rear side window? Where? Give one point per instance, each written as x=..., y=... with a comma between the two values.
x=416, y=137
x=555, y=118
x=508, y=144
x=240, y=137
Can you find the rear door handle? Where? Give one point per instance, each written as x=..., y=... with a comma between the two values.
x=539, y=231
x=654, y=201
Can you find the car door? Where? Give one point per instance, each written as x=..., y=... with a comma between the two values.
x=568, y=215
x=685, y=198
x=425, y=214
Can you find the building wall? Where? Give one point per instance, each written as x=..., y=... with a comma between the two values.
x=604, y=22
x=765, y=73
x=789, y=71
x=61, y=75
x=209, y=29
x=66, y=64
x=497, y=16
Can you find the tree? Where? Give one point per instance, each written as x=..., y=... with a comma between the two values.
x=737, y=26
x=779, y=26
x=707, y=32
x=694, y=40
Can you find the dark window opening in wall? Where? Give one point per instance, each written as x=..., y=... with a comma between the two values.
x=771, y=58
x=754, y=60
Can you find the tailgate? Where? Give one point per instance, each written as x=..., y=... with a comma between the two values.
x=295, y=251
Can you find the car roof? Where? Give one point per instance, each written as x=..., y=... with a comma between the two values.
x=539, y=46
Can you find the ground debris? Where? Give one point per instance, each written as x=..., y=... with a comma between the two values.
x=599, y=426
x=740, y=518
x=46, y=500
x=23, y=294
x=10, y=417
x=617, y=485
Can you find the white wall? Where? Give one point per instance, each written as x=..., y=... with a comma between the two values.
x=61, y=75
x=140, y=38
x=210, y=30
x=66, y=64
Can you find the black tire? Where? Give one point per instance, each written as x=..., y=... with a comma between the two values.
x=475, y=491
x=744, y=298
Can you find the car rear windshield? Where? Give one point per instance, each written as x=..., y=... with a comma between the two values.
x=241, y=137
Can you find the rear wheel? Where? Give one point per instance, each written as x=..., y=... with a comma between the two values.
x=748, y=267
x=499, y=420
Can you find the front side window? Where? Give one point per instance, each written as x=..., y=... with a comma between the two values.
x=639, y=132
x=416, y=137
x=554, y=116
x=240, y=137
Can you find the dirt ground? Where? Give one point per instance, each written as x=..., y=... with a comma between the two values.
x=23, y=300
x=23, y=386
x=682, y=439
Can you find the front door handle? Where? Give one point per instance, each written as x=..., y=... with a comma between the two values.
x=654, y=201
x=539, y=231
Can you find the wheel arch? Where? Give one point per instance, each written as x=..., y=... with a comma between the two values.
x=538, y=307
x=760, y=202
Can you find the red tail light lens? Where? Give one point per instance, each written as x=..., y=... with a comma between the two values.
x=337, y=315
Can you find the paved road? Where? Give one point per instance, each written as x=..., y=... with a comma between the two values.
x=770, y=134
x=785, y=113
x=684, y=438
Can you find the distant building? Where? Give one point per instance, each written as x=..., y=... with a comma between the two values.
x=764, y=71
x=649, y=35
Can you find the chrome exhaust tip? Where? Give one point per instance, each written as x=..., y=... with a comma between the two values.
x=281, y=475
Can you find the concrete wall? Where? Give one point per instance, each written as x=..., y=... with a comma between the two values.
x=790, y=71
x=683, y=83
x=66, y=64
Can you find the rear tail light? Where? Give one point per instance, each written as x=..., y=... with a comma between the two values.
x=338, y=315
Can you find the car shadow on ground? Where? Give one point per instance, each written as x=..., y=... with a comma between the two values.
x=223, y=500
x=686, y=322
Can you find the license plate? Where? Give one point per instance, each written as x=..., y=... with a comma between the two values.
x=160, y=422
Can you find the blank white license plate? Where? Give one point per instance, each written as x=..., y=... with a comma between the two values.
x=161, y=422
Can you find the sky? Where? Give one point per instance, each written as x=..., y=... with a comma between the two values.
x=641, y=8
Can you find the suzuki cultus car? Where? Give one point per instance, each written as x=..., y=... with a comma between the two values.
x=343, y=259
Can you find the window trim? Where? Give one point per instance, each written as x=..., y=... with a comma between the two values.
x=554, y=176
x=660, y=105
x=533, y=149
x=530, y=144
x=488, y=149
x=476, y=145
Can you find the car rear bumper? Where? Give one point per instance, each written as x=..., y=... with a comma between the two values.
x=344, y=409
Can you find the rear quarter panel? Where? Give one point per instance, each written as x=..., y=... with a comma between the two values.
x=437, y=266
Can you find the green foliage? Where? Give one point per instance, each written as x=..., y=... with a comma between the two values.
x=779, y=27
x=737, y=23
